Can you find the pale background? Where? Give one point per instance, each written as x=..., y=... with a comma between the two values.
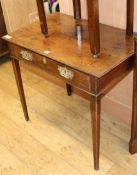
x=19, y=13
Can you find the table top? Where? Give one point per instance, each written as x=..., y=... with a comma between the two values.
x=72, y=48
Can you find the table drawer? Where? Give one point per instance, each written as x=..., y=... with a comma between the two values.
x=55, y=68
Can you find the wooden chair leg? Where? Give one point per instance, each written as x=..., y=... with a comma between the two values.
x=69, y=89
x=133, y=141
x=77, y=9
x=16, y=68
x=42, y=17
x=93, y=25
x=130, y=16
x=95, y=113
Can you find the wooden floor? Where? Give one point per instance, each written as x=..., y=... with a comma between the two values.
x=57, y=140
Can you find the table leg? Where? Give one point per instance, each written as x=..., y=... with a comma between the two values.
x=17, y=73
x=69, y=89
x=95, y=114
x=133, y=141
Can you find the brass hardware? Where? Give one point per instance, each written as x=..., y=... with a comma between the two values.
x=64, y=72
x=44, y=61
x=26, y=55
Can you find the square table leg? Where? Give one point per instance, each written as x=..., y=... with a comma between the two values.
x=69, y=89
x=17, y=73
x=133, y=140
x=95, y=115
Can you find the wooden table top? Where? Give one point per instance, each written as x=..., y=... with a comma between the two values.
x=65, y=47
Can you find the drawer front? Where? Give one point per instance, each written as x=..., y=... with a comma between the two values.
x=57, y=69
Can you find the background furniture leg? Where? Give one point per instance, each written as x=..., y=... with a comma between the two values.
x=42, y=17
x=69, y=89
x=130, y=16
x=133, y=141
x=77, y=9
x=93, y=25
x=95, y=115
x=18, y=78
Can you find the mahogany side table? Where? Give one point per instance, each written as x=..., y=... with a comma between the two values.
x=70, y=59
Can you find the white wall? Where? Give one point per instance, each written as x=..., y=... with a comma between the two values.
x=17, y=13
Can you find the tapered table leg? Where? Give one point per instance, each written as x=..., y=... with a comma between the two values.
x=133, y=140
x=69, y=89
x=18, y=78
x=95, y=114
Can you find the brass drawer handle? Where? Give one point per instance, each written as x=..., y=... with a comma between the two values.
x=26, y=55
x=64, y=72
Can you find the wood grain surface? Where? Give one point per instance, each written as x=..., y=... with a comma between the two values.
x=65, y=46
